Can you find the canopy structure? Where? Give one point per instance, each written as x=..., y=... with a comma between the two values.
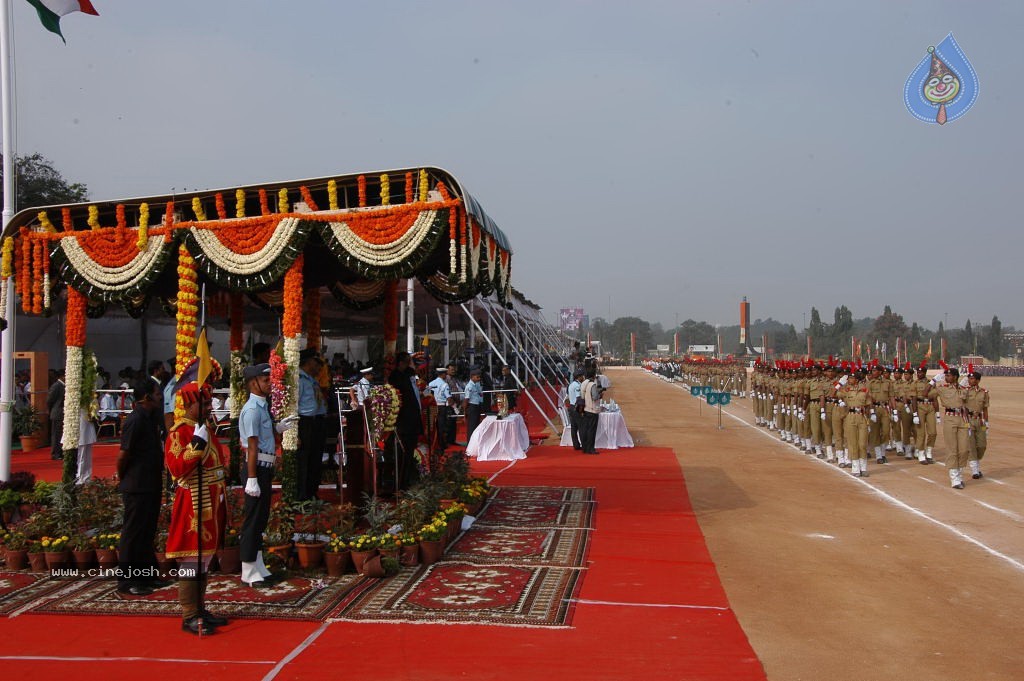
x=279, y=244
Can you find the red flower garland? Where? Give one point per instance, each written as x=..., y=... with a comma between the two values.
x=308, y=198
x=408, y=188
x=222, y=211
x=25, y=276
x=74, y=326
x=264, y=206
x=361, y=184
x=65, y=216
x=121, y=223
x=37, y=276
x=292, y=322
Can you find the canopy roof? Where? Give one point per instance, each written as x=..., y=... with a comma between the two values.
x=357, y=232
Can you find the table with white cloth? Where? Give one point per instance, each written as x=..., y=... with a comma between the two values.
x=497, y=439
x=611, y=432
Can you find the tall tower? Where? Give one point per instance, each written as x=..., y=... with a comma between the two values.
x=744, y=324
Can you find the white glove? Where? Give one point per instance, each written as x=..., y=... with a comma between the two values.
x=963, y=381
x=917, y=419
x=938, y=378
x=938, y=419
x=985, y=424
x=775, y=409
x=841, y=382
x=286, y=424
x=874, y=417
x=907, y=408
x=252, y=487
x=201, y=434
x=823, y=414
x=895, y=416
x=842, y=404
x=802, y=417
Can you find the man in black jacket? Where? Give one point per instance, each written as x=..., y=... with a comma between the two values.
x=55, y=405
x=410, y=423
x=140, y=466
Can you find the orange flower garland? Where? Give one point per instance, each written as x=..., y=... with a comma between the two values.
x=37, y=276
x=25, y=275
x=264, y=206
x=65, y=216
x=218, y=202
x=312, y=305
x=308, y=197
x=121, y=223
x=361, y=185
x=383, y=227
x=292, y=322
x=188, y=290
x=408, y=188
x=74, y=326
x=168, y=221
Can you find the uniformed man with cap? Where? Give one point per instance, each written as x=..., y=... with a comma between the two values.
x=572, y=394
x=256, y=430
x=361, y=390
x=473, y=401
x=881, y=396
x=954, y=424
x=859, y=405
x=976, y=401
x=312, y=426
x=925, y=407
x=442, y=394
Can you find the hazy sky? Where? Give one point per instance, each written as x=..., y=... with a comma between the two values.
x=660, y=158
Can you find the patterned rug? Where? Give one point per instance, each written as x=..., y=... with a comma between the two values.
x=539, y=507
x=502, y=546
x=295, y=599
x=20, y=589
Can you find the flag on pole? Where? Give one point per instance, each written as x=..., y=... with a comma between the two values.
x=928, y=355
x=203, y=353
x=50, y=12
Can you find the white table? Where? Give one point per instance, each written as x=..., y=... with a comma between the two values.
x=499, y=439
x=611, y=432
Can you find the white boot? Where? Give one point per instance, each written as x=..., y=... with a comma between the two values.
x=928, y=455
x=920, y=456
x=829, y=454
x=975, y=469
x=899, y=447
x=864, y=467
x=880, y=454
x=855, y=467
x=955, y=481
x=844, y=458
x=908, y=453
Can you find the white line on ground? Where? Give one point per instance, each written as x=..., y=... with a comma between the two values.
x=928, y=480
x=1008, y=514
x=296, y=652
x=69, y=658
x=492, y=478
x=886, y=496
x=644, y=605
x=818, y=535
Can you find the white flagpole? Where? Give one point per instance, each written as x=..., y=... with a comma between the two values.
x=7, y=337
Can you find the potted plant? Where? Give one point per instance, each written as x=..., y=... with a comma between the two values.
x=36, y=557
x=83, y=550
x=388, y=545
x=409, y=549
x=22, y=482
x=310, y=527
x=9, y=500
x=26, y=424
x=58, y=555
x=277, y=538
x=16, y=550
x=337, y=556
x=432, y=539
x=106, y=549
x=363, y=547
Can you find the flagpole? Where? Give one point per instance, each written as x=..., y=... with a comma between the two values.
x=10, y=199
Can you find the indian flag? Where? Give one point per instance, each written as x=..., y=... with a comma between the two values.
x=50, y=11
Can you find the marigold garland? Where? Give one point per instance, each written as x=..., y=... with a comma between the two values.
x=74, y=326
x=65, y=216
x=25, y=275
x=423, y=186
x=385, y=190
x=143, y=239
x=94, y=217
x=37, y=277
x=185, y=337
x=332, y=194
x=307, y=197
x=264, y=205
x=218, y=204
x=239, y=203
x=291, y=323
x=44, y=220
x=119, y=213
x=282, y=201
x=361, y=186
x=408, y=188
x=197, y=208
x=7, y=259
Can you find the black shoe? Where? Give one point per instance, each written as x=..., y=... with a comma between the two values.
x=977, y=476
x=211, y=620
x=959, y=485
x=592, y=452
x=159, y=583
x=882, y=460
x=56, y=458
x=134, y=590
x=196, y=625
x=262, y=584
x=929, y=460
x=821, y=456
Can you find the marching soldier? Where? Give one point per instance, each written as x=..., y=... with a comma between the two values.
x=881, y=396
x=954, y=426
x=925, y=414
x=976, y=402
x=858, y=403
x=839, y=414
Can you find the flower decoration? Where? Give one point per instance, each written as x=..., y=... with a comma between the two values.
x=385, y=190
x=282, y=201
x=55, y=544
x=307, y=197
x=409, y=188
x=218, y=203
x=197, y=208
x=94, y=217
x=44, y=221
x=291, y=323
x=90, y=371
x=361, y=188
x=143, y=239
x=279, y=386
x=264, y=205
x=423, y=186
x=188, y=298
x=383, y=403
x=108, y=541
x=119, y=216
x=332, y=194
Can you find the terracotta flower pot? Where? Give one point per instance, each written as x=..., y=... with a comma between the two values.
x=282, y=551
x=84, y=559
x=454, y=527
x=431, y=551
x=373, y=567
x=57, y=560
x=475, y=508
x=337, y=562
x=30, y=442
x=107, y=558
x=17, y=559
x=37, y=561
x=360, y=557
x=390, y=553
x=410, y=555
x=310, y=555
x=229, y=559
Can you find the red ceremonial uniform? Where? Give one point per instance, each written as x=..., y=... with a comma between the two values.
x=182, y=460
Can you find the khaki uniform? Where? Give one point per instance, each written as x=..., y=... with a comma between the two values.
x=904, y=428
x=817, y=388
x=925, y=406
x=954, y=430
x=878, y=431
x=976, y=401
x=858, y=405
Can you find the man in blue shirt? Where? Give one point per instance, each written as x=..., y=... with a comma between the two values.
x=573, y=393
x=442, y=393
x=473, y=401
x=256, y=435
x=312, y=427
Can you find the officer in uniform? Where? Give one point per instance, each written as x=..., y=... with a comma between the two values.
x=881, y=396
x=442, y=393
x=361, y=390
x=256, y=437
x=312, y=426
x=839, y=414
x=825, y=407
x=473, y=401
x=976, y=402
x=954, y=424
x=859, y=405
x=925, y=414
x=572, y=393
x=816, y=389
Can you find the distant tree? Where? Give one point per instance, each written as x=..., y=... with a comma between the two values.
x=994, y=346
x=40, y=184
x=888, y=327
x=816, y=329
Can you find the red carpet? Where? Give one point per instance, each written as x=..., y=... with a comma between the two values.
x=649, y=606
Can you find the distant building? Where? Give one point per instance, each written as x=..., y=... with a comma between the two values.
x=572, y=319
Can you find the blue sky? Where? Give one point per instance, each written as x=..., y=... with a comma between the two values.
x=651, y=158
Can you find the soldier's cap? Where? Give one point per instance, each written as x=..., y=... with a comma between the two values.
x=442, y=370
x=953, y=370
x=975, y=374
x=897, y=370
x=253, y=370
x=367, y=370
x=307, y=354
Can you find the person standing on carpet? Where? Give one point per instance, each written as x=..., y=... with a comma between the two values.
x=312, y=428
x=572, y=393
x=410, y=423
x=140, y=467
x=198, y=464
x=256, y=433
x=591, y=391
x=442, y=396
x=473, y=402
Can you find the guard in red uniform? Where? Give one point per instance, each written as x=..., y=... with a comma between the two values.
x=192, y=450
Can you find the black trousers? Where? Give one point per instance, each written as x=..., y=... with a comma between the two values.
x=588, y=430
x=137, y=560
x=257, y=513
x=574, y=427
x=444, y=422
x=56, y=433
x=310, y=457
x=472, y=419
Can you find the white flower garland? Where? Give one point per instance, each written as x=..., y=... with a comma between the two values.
x=72, y=396
x=290, y=439
x=112, y=278
x=46, y=291
x=474, y=250
x=239, y=394
x=252, y=263
x=451, y=253
x=383, y=255
x=3, y=299
x=492, y=251
x=361, y=291
x=464, y=250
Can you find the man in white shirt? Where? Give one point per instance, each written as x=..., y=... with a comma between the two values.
x=442, y=393
x=361, y=390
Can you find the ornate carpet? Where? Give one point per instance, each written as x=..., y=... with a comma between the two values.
x=20, y=589
x=295, y=599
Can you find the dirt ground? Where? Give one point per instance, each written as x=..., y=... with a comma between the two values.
x=894, y=576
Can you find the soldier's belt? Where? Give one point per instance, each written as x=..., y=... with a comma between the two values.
x=976, y=414
x=858, y=410
x=266, y=458
x=953, y=412
x=926, y=401
x=211, y=476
